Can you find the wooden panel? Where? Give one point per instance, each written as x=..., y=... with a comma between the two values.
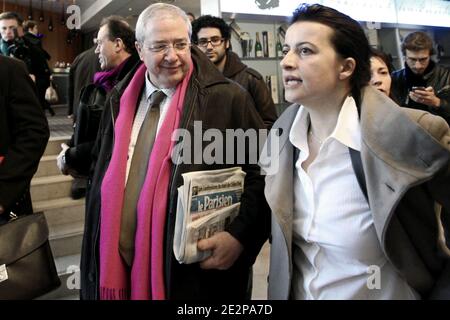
x=54, y=42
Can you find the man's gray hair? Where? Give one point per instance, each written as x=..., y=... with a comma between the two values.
x=159, y=10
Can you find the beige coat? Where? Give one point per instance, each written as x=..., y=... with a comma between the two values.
x=406, y=159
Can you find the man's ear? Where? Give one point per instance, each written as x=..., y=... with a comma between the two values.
x=119, y=45
x=139, y=50
x=347, y=68
x=227, y=44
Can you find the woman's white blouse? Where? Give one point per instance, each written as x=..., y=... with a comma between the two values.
x=336, y=251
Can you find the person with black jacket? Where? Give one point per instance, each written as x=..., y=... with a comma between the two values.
x=422, y=84
x=82, y=71
x=117, y=56
x=11, y=44
x=24, y=134
x=39, y=65
x=212, y=36
x=195, y=92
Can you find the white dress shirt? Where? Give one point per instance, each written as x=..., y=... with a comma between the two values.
x=141, y=113
x=334, y=238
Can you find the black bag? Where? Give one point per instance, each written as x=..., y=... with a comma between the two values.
x=92, y=102
x=27, y=268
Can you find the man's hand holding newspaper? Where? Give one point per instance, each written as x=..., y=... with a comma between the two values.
x=225, y=249
x=207, y=203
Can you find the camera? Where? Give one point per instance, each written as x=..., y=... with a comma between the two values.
x=19, y=50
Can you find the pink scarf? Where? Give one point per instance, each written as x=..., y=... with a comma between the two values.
x=147, y=281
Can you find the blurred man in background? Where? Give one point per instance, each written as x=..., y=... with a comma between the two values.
x=422, y=84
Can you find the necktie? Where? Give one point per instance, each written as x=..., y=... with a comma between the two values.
x=136, y=178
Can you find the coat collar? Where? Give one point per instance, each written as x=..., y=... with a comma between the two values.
x=205, y=71
x=233, y=65
x=397, y=154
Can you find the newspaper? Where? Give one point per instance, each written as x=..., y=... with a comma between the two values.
x=207, y=203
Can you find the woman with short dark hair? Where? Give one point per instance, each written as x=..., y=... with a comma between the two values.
x=357, y=183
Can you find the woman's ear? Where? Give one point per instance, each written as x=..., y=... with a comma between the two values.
x=347, y=68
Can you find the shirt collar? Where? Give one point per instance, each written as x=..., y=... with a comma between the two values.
x=347, y=130
x=150, y=88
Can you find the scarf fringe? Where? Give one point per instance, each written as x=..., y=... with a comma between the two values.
x=114, y=294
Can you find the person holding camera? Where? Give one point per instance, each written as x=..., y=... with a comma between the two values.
x=422, y=84
x=11, y=44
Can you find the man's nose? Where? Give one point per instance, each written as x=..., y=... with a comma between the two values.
x=171, y=54
x=417, y=64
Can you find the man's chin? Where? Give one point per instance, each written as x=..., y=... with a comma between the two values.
x=418, y=72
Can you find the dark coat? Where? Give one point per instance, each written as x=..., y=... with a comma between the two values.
x=253, y=82
x=39, y=57
x=81, y=74
x=437, y=77
x=23, y=133
x=39, y=66
x=220, y=104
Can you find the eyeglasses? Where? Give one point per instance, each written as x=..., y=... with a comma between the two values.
x=215, y=42
x=420, y=60
x=163, y=48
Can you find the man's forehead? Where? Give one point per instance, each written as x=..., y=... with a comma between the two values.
x=103, y=31
x=160, y=23
x=9, y=22
x=209, y=32
x=419, y=53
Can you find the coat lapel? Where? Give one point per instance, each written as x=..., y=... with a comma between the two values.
x=397, y=154
x=279, y=189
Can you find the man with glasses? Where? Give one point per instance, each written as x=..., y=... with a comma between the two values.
x=212, y=36
x=131, y=205
x=422, y=84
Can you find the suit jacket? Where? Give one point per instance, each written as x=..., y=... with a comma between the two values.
x=23, y=132
x=406, y=160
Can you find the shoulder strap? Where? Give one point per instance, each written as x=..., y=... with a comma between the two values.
x=357, y=162
x=359, y=171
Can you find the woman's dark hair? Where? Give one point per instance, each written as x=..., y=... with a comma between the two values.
x=210, y=22
x=386, y=58
x=348, y=39
x=118, y=28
